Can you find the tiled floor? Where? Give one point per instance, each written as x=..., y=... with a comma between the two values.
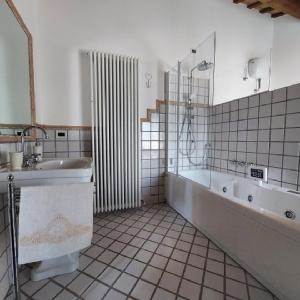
x=149, y=253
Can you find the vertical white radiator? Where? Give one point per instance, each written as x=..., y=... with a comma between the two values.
x=114, y=94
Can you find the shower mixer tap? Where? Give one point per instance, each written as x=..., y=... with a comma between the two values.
x=241, y=163
x=190, y=142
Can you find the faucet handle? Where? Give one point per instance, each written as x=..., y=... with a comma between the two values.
x=36, y=157
x=242, y=163
x=27, y=161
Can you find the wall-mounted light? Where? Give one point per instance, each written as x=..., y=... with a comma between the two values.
x=148, y=77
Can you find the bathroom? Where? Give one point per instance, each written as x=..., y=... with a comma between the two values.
x=149, y=149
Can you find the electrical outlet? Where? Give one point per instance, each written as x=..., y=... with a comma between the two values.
x=18, y=132
x=61, y=134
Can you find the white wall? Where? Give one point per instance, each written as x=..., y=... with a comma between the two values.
x=159, y=32
x=286, y=52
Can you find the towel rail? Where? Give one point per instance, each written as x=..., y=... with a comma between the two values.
x=12, y=214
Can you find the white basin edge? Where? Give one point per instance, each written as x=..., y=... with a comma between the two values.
x=31, y=173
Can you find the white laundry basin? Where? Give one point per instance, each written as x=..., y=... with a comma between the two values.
x=72, y=163
x=49, y=171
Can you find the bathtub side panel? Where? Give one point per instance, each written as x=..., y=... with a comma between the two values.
x=179, y=195
x=270, y=256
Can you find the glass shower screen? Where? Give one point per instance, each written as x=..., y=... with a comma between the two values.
x=190, y=87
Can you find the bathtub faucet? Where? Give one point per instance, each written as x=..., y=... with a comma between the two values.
x=241, y=163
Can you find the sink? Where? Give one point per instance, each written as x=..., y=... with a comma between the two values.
x=3, y=170
x=72, y=163
x=49, y=171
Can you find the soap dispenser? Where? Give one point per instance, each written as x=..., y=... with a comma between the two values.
x=38, y=150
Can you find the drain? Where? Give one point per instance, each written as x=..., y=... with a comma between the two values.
x=290, y=214
x=224, y=189
x=250, y=198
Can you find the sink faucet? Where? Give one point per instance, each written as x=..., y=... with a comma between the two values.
x=28, y=160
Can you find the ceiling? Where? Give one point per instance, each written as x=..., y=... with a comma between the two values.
x=276, y=8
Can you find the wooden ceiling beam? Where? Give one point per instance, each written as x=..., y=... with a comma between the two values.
x=266, y=10
x=254, y=5
x=276, y=15
x=289, y=7
x=276, y=8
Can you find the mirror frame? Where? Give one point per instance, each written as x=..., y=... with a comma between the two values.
x=14, y=138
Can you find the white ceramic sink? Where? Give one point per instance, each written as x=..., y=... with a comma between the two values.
x=72, y=163
x=50, y=171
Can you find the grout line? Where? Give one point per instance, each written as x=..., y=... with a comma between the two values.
x=247, y=134
x=186, y=263
x=164, y=269
x=225, y=289
x=161, y=212
x=247, y=287
x=132, y=258
x=204, y=271
x=284, y=134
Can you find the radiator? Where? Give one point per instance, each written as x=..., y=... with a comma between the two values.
x=115, y=142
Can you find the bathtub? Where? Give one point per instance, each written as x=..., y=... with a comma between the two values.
x=249, y=221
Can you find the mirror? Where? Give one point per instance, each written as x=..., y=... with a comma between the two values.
x=17, y=108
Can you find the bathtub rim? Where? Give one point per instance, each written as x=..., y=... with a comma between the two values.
x=197, y=225
x=262, y=216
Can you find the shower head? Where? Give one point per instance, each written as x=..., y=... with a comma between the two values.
x=204, y=66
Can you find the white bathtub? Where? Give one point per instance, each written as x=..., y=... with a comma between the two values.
x=256, y=234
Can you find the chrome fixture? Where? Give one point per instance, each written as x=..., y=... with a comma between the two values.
x=12, y=217
x=203, y=66
x=148, y=77
x=29, y=160
x=190, y=143
x=290, y=214
x=241, y=163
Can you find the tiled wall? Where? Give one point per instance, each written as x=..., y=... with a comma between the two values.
x=153, y=156
x=199, y=135
x=5, y=275
x=153, y=144
x=76, y=143
x=200, y=90
x=263, y=129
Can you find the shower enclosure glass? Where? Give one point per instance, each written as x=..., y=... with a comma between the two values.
x=190, y=87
